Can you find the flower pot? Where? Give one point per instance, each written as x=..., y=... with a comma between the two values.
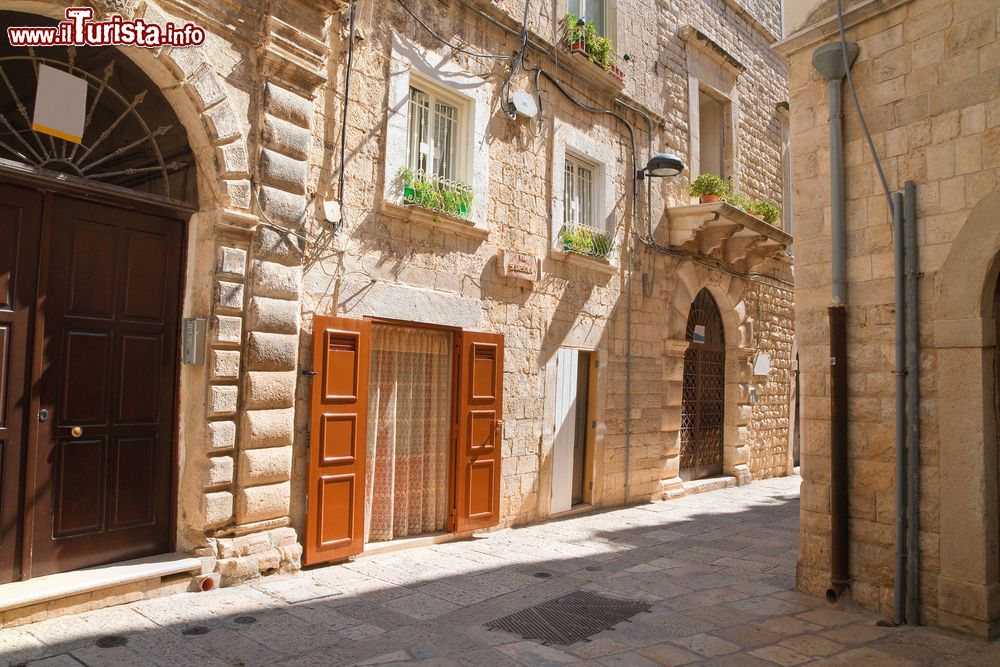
x=617, y=74
x=408, y=194
x=578, y=47
x=463, y=210
x=708, y=199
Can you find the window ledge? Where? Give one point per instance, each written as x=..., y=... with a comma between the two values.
x=452, y=223
x=578, y=64
x=598, y=264
x=725, y=232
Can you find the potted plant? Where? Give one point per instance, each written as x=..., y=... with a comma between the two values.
x=766, y=209
x=708, y=188
x=407, y=175
x=737, y=200
x=583, y=39
x=575, y=35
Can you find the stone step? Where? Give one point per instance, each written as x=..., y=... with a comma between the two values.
x=95, y=587
x=709, y=484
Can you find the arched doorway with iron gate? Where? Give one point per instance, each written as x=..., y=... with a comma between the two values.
x=704, y=391
x=92, y=232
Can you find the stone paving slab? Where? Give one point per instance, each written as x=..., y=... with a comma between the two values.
x=718, y=569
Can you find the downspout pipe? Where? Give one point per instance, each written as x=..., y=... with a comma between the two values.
x=899, y=590
x=832, y=61
x=912, y=406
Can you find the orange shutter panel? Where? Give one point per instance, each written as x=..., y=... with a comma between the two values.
x=337, y=436
x=480, y=431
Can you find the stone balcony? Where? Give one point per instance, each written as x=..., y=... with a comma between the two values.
x=724, y=232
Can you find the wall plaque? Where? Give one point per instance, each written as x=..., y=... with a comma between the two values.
x=521, y=265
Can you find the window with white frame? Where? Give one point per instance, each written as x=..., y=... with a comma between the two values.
x=592, y=11
x=579, y=191
x=436, y=144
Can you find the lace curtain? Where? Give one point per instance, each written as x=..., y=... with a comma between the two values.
x=408, y=430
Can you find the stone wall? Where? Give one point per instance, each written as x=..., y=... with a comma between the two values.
x=928, y=77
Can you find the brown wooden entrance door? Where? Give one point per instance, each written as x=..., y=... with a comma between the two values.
x=703, y=392
x=101, y=484
x=20, y=224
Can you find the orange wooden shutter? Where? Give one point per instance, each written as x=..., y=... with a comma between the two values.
x=337, y=435
x=480, y=431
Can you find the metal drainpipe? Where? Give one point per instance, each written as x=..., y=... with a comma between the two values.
x=899, y=591
x=912, y=407
x=829, y=61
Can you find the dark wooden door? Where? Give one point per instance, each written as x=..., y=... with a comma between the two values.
x=479, y=432
x=102, y=480
x=703, y=391
x=20, y=224
x=335, y=515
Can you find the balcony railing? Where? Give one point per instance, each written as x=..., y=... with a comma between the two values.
x=586, y=240
x=441, y=195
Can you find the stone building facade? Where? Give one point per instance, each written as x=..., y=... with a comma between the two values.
x=928, y=78
x=278, y=236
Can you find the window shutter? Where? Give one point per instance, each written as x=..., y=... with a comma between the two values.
x=337, y=435
x=480, y=431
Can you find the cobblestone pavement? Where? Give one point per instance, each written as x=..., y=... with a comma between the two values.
x=717, y=569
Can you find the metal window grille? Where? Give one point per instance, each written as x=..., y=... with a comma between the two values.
x=703, y=392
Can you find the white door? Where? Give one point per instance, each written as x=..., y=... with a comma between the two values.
x=567, y=368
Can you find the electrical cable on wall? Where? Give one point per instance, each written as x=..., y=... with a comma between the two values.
x=453, y=47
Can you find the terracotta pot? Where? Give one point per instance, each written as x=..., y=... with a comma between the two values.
x=578, y=47
x=708, y=199
x=617, y=74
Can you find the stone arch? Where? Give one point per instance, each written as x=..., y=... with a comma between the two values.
x=962, y=327
x=728, y=291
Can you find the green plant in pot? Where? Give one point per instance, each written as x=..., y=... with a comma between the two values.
x=407, y=176
x=737, y=200
x=709, y=188
x=766, y=209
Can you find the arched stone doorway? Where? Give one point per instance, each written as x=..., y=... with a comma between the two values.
x=92, y=235
x=704, y=391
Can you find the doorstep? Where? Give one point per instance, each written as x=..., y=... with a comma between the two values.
x=426, y=540
x=95, y=587
x=709, y=484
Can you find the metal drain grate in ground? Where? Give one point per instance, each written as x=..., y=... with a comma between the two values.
x=570, y=618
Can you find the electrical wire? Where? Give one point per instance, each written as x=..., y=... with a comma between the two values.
x=453, y=47
x=515, y=65
x=857, y=106
x=347, y=98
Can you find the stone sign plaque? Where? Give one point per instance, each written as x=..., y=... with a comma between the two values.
x=521, y=265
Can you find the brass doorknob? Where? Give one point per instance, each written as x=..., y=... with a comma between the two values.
x=499, y=424
x=76, y=431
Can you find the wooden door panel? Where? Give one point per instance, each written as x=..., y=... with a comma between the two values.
x=109, y=368
x=479, y=431
x=92, y=269
x=84, y=383
x=133, y=501
x=338, y=428
x=145, y=261
x=139, y=379
x=20, y=227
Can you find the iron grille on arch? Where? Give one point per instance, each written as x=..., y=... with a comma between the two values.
x=131, y=136
x=704, y=389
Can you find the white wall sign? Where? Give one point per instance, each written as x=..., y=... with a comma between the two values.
x=60, y=104
x=699, y=334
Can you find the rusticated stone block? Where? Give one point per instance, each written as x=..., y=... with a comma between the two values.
x=276, y=280
x=206, y=86
x=237, y=193
x=220, y=470
x=232, y=261
x=281, y=537
x=222, y=435
x=268, y=428
x=282, y=171
x=282, y=206
x=272, y=352
x=287, y=105
x=222, y=121
x=225, y=364
x=227, y=329
x=254, y=543
x=228, y=295
x=233, y=159
x=286, y=138
x=273, y=315
x=234, y=570
x=266, y=466
x=259, y=503
x=275, y=246
x=222, y=399
x=270, y=389
x=217, y=507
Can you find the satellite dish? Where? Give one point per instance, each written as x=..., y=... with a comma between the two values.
x=524, y=103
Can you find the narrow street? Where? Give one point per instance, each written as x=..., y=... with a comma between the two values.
x=717, y=571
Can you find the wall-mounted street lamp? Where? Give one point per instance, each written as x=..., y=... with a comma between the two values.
x=664, y=164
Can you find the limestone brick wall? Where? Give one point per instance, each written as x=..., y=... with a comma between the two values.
x=378, y=264
x=928, y=76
